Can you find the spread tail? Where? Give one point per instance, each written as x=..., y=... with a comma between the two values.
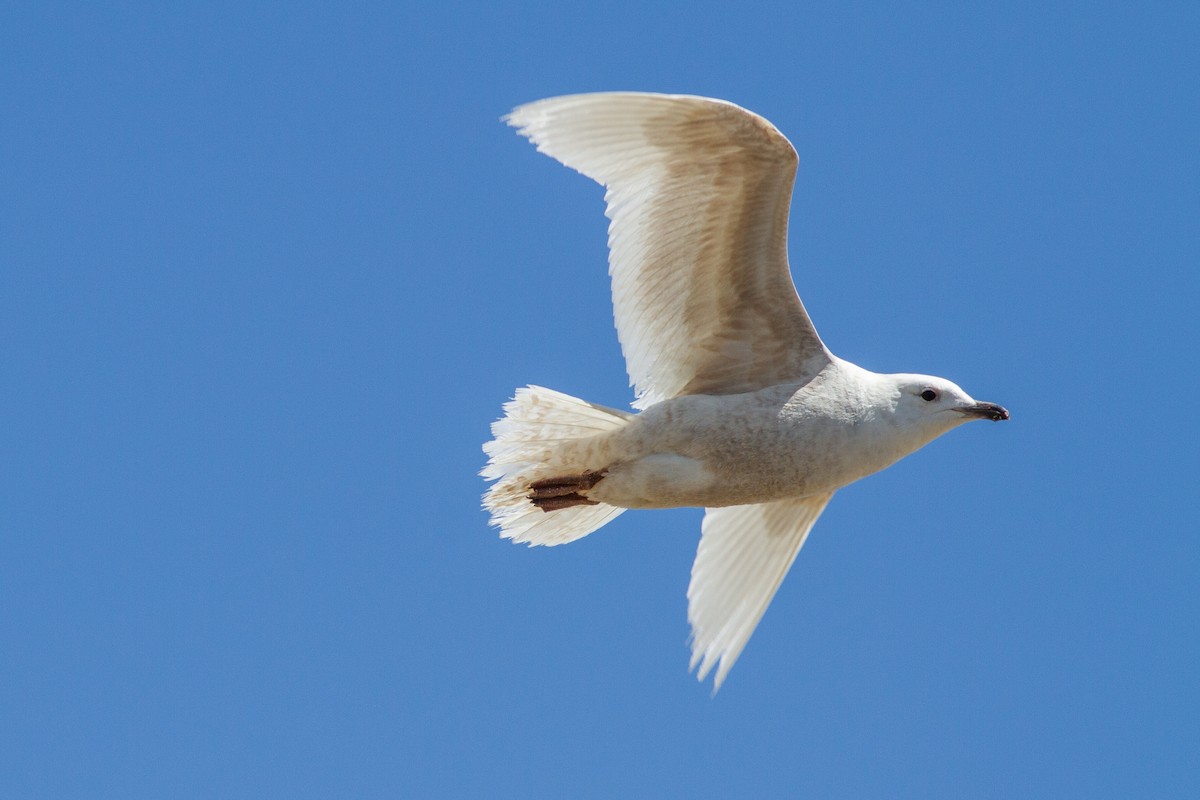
x=538, y=459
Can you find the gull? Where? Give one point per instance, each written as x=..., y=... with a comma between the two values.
x=742, y=409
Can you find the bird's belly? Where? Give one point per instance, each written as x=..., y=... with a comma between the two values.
x=669, y=480
x=722, y=459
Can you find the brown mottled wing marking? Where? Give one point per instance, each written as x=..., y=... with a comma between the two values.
x=698, y=195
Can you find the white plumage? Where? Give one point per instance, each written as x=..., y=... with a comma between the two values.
x=698, y=195
x=744, y=553
x=743, y=409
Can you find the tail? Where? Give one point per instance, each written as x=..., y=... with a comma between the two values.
x=545, y=434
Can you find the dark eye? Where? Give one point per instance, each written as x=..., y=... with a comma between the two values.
x=929, y=395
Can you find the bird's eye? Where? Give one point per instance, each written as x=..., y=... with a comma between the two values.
x=929, y=395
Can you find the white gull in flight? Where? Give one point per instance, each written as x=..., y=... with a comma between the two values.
x=743, y=410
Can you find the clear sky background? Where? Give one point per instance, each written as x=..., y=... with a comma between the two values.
x=268, y=272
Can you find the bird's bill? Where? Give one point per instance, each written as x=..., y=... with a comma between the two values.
x=984, y=411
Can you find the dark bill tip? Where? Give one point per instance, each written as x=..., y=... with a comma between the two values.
x=986, y=411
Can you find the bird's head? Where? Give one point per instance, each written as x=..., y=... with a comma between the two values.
x=935, y=405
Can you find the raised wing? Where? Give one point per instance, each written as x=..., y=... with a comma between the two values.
x=698, y=194
x=744, y=553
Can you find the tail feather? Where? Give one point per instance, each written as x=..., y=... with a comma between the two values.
x=544, y=433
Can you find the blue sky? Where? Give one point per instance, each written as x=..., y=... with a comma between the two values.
x=269, y=272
